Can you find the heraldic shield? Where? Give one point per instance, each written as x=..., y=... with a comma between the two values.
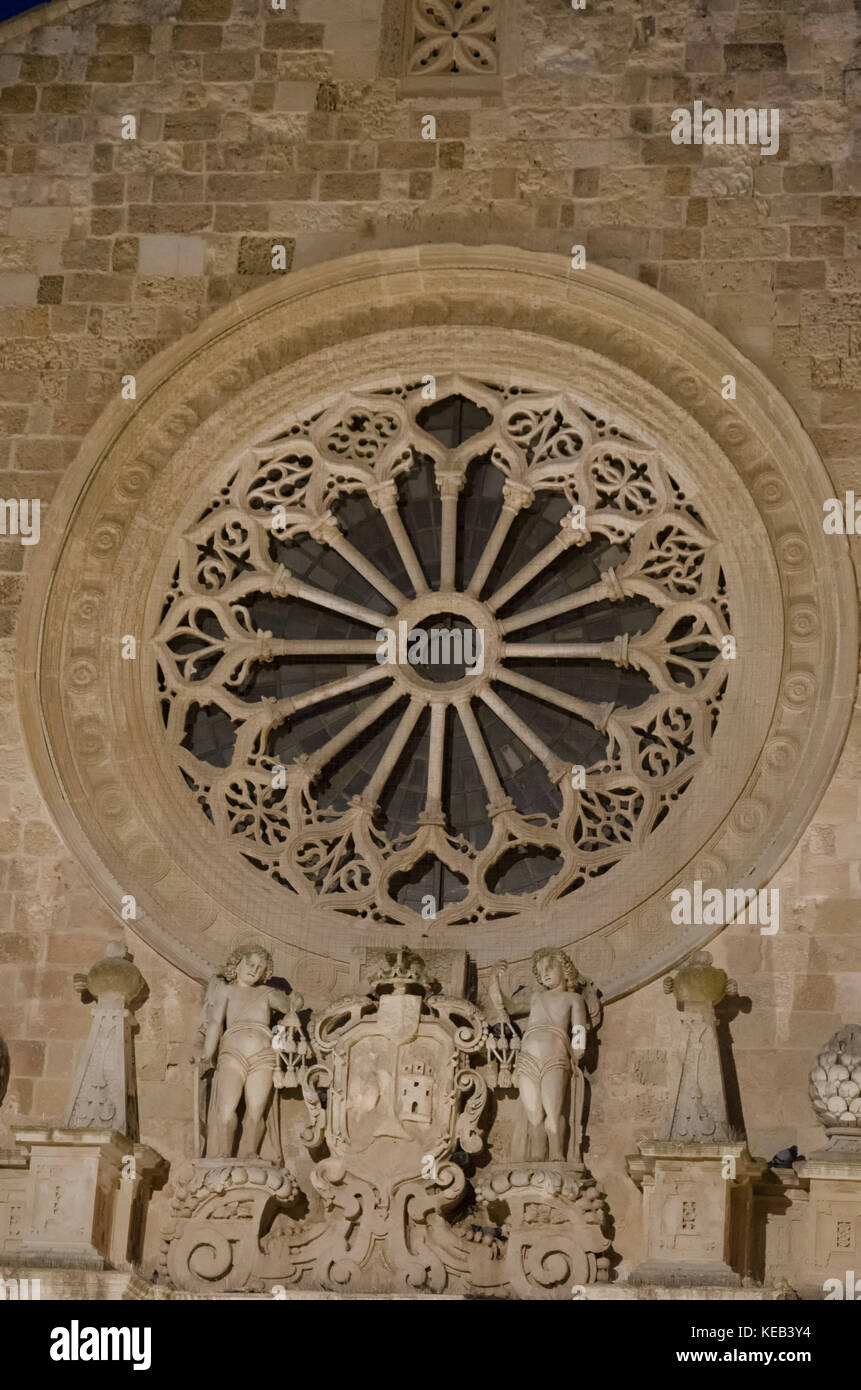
x=395, y=1063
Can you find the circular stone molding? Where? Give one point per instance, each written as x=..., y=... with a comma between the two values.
x=360, y=443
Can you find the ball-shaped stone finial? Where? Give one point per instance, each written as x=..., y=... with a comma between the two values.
x=835, y=1081
x=115, y=974
x=697, y=982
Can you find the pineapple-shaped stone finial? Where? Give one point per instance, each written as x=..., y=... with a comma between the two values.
x=835, y=1083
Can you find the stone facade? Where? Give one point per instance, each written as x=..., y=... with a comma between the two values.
x=302, y=127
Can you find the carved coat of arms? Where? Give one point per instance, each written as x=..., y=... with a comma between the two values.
x=395, y=1084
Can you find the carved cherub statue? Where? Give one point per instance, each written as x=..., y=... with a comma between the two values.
x=547, y=1071
x=235, y=1024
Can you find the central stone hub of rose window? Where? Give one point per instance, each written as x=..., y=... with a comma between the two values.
x=444, y=648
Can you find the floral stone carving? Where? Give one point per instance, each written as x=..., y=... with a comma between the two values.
x=453, y=36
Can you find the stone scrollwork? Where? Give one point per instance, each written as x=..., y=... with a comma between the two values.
x=553, y=1229
x=210, y=1238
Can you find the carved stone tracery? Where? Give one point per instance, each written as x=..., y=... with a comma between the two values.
x=96, y=734
x=639, y=546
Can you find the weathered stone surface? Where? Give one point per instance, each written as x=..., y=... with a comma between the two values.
x=323, y=151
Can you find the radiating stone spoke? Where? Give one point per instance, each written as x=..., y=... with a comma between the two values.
x=530, y=571
x=596, y=715
x=328, y=532
x=317, y=646
x=318, y=760
x=555, y=766
x=515, y=497
x=609, y=587
x=385, y=498
x=375, y=788
x=436, y=751
x=333, y=688
x=615, y=651
x=495, y=794
x=267, y=714
x=285, y=583
x=449, y=485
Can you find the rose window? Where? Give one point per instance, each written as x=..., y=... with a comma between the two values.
x=443, y=659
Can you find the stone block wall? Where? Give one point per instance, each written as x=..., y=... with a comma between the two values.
x=300, y=127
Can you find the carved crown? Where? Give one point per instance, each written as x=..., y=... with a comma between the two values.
x=404, y=972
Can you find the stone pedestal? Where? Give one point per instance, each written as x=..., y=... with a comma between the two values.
x=780, y=1223
x=77, y=1197
x=832, y=1244
x=13, y=1201
x=697, y=1182
x=697, y=1208
x=84, y=1198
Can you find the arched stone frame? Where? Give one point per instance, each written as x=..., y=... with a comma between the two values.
x=85, y=709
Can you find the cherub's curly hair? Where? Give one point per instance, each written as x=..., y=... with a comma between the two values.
x=248, y=948
x=573, y=978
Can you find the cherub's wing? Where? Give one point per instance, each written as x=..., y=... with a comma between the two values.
x=211, y=1002
x=593, y=1003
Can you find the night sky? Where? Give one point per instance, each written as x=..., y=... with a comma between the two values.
x=8, y=8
